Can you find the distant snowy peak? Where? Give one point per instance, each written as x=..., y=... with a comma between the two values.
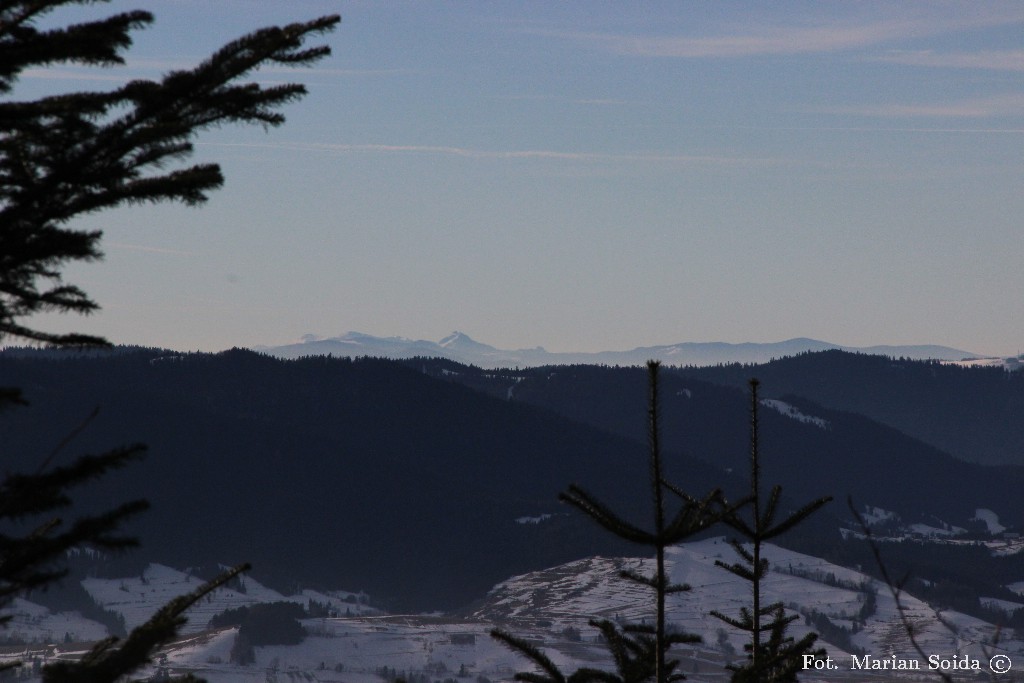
x=462, y=342
x=460, y=347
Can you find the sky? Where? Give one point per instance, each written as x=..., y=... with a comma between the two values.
x=589, y=176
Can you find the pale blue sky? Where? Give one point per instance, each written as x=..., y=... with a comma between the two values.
x=589, y=176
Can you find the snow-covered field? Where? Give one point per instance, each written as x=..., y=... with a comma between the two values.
x=137, y=598
x=801, y=582
x=550, y=608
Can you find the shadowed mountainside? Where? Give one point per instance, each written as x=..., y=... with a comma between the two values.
x=974, y=413
x=412, y=481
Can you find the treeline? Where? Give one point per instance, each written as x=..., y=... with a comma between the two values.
x=272, y=623
x=947, y=576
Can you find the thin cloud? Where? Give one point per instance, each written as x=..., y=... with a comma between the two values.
x=147, y=249
x=604, y=102
x=337, y=72
x=889, y=129
x=552, y=98
x=542, y=154
x=1002, y=105
x=783, y=40
x=997, y=60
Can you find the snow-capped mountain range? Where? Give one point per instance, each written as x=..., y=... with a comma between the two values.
x=460, y=347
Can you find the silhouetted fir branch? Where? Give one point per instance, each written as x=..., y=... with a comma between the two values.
x=45, y=464
x=74, y=153
x=552, y=674
x=604, y=516
x=110, y=659
x=780, y=657
x=30, y=561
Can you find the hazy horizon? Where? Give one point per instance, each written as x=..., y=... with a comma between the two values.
x=312, y=336
x=628, y=175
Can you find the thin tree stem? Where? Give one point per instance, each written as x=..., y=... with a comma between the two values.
x=755, y=493
x=659, y=522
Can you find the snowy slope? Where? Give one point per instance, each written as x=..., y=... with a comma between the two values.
x=551, y=608
x=137, y=598
x=34, y=623
x=570, y=593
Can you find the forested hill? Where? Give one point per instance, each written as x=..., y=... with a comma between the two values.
x=810, y=449
x=427, y=482
x=362, y=474
x=974, y=413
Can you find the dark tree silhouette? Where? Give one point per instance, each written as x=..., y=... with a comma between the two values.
x=640, y=651
x=778, y=658
x=76, y=153
x=67, y=155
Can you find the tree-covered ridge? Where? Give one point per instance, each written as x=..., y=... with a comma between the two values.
x=839, y=451
x=974, y=413
x=278, y=442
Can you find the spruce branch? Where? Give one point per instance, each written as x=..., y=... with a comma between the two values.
x=71, y=154
x=639, y=650
x=551, y=672
x=110, y=659
x=778, y=657
x=604, y=516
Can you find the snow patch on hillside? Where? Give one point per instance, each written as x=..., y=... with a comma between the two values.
x=933, y=531
x=570, y=594
x=32, y=623
x=534, y=520
x=1005, y=605
x=991, y=520
x=873, y=515
x=793, y=412
x=137, y=598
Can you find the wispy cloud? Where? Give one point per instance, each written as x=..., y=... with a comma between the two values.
x=555, y=98
x=787, y=40
x=141, y=247
x=600, y=101
x=542, y=154
x=1001, y=105
x=999, y=60
x=890, y=129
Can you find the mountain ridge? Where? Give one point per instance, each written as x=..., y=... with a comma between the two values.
x=460, y=347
